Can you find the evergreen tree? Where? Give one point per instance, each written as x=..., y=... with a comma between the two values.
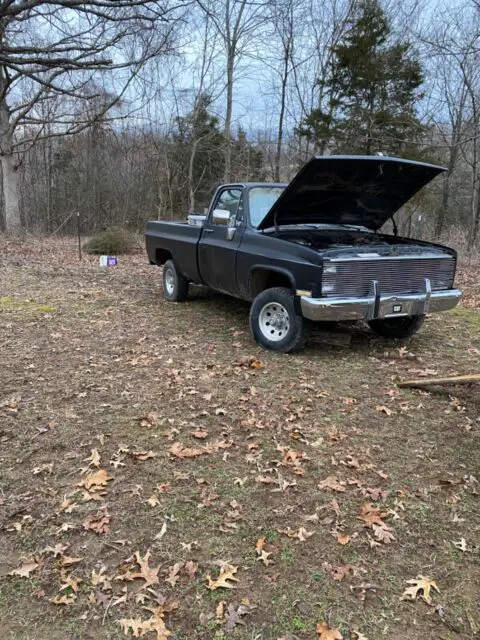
x=370, y=90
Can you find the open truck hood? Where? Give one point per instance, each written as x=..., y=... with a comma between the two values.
x=354, y=190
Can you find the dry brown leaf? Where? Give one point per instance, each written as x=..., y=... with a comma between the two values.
x=143, y=455
x=370, y=515
x=173, y=573
x=461, y=544
x=227, y=572
x=153, y=501
x=98, y=479
x=179, y=451
x=301, y=534
x=342, y=571
x=67, y=598
x=325, y=632
x=383, y=533
x=57, y=550
x=343, y=540
x=332, y=484
x=99, y=523
x=235, y=613
x=200, y=434
x=69, y=582
x=263, y=557
x=66, y=561
x=147, y=573
x=191, y=569
x=93, y=459
x=260, y=544
x=25, y=570
x=420, y=586
x=68, y=505
x=384, y=410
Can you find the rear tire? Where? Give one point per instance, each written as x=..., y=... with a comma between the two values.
x=175, y=286
x=274, y=323
x=398, y=328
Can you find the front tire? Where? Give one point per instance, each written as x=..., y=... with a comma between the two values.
x=175, y=286
x=398, y=328
x=274, y=323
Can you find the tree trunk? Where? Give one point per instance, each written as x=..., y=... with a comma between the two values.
x=278, y=153
x=472, y=239
x=13, y=223
x=228, y=116
x=442, y=212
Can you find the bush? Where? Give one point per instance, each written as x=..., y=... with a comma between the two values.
x=110, y=242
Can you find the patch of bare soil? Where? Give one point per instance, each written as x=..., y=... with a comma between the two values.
x=162, y=477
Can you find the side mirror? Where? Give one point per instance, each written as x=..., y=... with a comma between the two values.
x=221, y=216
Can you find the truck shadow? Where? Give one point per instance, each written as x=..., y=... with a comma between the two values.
x=354, y=336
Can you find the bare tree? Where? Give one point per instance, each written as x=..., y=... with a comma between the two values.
x=57, y=48
x=452, y=44
x=235, y=22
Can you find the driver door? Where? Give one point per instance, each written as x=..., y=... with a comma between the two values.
x=217, y=251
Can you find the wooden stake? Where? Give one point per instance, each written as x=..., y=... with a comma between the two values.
x=469, y=379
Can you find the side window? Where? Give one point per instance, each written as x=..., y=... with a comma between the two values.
x=229, y=200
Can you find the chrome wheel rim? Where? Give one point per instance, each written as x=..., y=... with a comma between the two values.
x=169, y=282
x=274, y=321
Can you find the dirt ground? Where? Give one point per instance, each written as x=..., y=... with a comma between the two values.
x=162, y=476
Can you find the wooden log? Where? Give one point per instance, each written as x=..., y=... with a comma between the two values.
x=424, y=382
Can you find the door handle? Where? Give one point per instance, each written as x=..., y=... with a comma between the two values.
x=208, y=230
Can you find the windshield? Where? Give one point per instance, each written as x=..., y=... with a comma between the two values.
x=260, y=201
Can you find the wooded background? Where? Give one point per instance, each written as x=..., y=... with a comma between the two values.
x=131, y=110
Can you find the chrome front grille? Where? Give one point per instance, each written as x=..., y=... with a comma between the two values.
x=354, y=277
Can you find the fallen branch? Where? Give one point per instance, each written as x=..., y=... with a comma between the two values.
x=469, y=379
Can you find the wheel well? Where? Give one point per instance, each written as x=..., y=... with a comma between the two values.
x=262, y=279
x=161, y=256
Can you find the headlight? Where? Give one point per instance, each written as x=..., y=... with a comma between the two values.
x=329, y=268
x=328, y=288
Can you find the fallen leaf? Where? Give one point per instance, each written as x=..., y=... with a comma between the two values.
x=69, y=582
x=191, y=569
x=143, y=455
x=66, y=561
x=173, y=572
x=325, y=632
x=234, y=616
x=98, y=479
x=98, y=523
x=57, y=550
x=461, y=544
x=147, y=573
x=370, y=515
x=341, y=572
x=343, y=540
x=383, y=533
x=67, y=598
x=301, y=534
x=179, y=451
x=420, y=586
x=25, y=570
x=200, y=434
x=153, y=501
x=226, y=573
x=384, y=410
x=332, y=484
x=94, y=459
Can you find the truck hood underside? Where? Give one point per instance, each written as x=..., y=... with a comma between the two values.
x=353, y=190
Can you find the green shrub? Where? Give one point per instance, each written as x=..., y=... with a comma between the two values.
x=110, y=242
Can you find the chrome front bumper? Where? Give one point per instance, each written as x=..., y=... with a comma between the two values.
x=377, y=306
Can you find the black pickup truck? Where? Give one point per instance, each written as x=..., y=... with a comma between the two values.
x=311, y=250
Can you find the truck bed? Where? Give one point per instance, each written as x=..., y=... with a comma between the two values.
x=179, y=239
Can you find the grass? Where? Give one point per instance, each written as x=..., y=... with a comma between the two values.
x=93, y=358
